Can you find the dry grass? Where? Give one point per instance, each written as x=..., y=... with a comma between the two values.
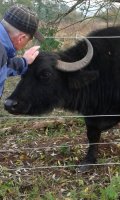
x=71, y=33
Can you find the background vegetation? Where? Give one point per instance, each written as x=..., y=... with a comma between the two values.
x=38, y=156
x=59, y=17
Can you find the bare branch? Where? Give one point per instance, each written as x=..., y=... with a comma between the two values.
x=72, y=8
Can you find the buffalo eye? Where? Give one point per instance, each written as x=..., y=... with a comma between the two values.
x=44, y=75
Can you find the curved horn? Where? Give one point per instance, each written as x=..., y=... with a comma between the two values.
x=74, y=66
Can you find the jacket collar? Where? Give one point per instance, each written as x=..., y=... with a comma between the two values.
x=6, y=41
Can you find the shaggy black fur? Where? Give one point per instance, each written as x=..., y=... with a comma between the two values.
x=94, y=90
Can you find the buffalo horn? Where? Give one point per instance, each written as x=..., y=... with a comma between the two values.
x=74, y=66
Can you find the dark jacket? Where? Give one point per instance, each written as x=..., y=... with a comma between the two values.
x=10, y=65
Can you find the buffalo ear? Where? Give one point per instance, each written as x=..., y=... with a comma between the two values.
x=80, y=79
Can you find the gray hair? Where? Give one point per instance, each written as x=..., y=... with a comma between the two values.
x=11, y=29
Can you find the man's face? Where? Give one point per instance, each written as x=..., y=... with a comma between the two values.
x=20, y=41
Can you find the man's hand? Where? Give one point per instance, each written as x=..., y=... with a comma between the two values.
x=31, y=54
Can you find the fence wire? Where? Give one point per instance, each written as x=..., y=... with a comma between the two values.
x=57, y=166
x=55, y=117
x=82, y=37
x=54, y=147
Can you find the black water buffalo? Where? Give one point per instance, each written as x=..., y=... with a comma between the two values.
x=83, y=78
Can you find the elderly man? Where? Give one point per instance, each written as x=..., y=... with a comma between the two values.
x=18, y=26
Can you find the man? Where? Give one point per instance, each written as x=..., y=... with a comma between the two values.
x=18, y=26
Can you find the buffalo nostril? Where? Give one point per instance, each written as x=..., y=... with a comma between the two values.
x=10, y=104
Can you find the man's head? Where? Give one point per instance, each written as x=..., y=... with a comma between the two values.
x=21, y=24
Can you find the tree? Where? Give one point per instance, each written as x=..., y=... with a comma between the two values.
x=5, y=4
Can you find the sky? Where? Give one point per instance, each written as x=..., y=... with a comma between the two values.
x=93, y=5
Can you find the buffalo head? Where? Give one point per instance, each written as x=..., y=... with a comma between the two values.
x=49, y=83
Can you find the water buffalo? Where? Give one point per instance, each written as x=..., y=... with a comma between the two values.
x=83, y=78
